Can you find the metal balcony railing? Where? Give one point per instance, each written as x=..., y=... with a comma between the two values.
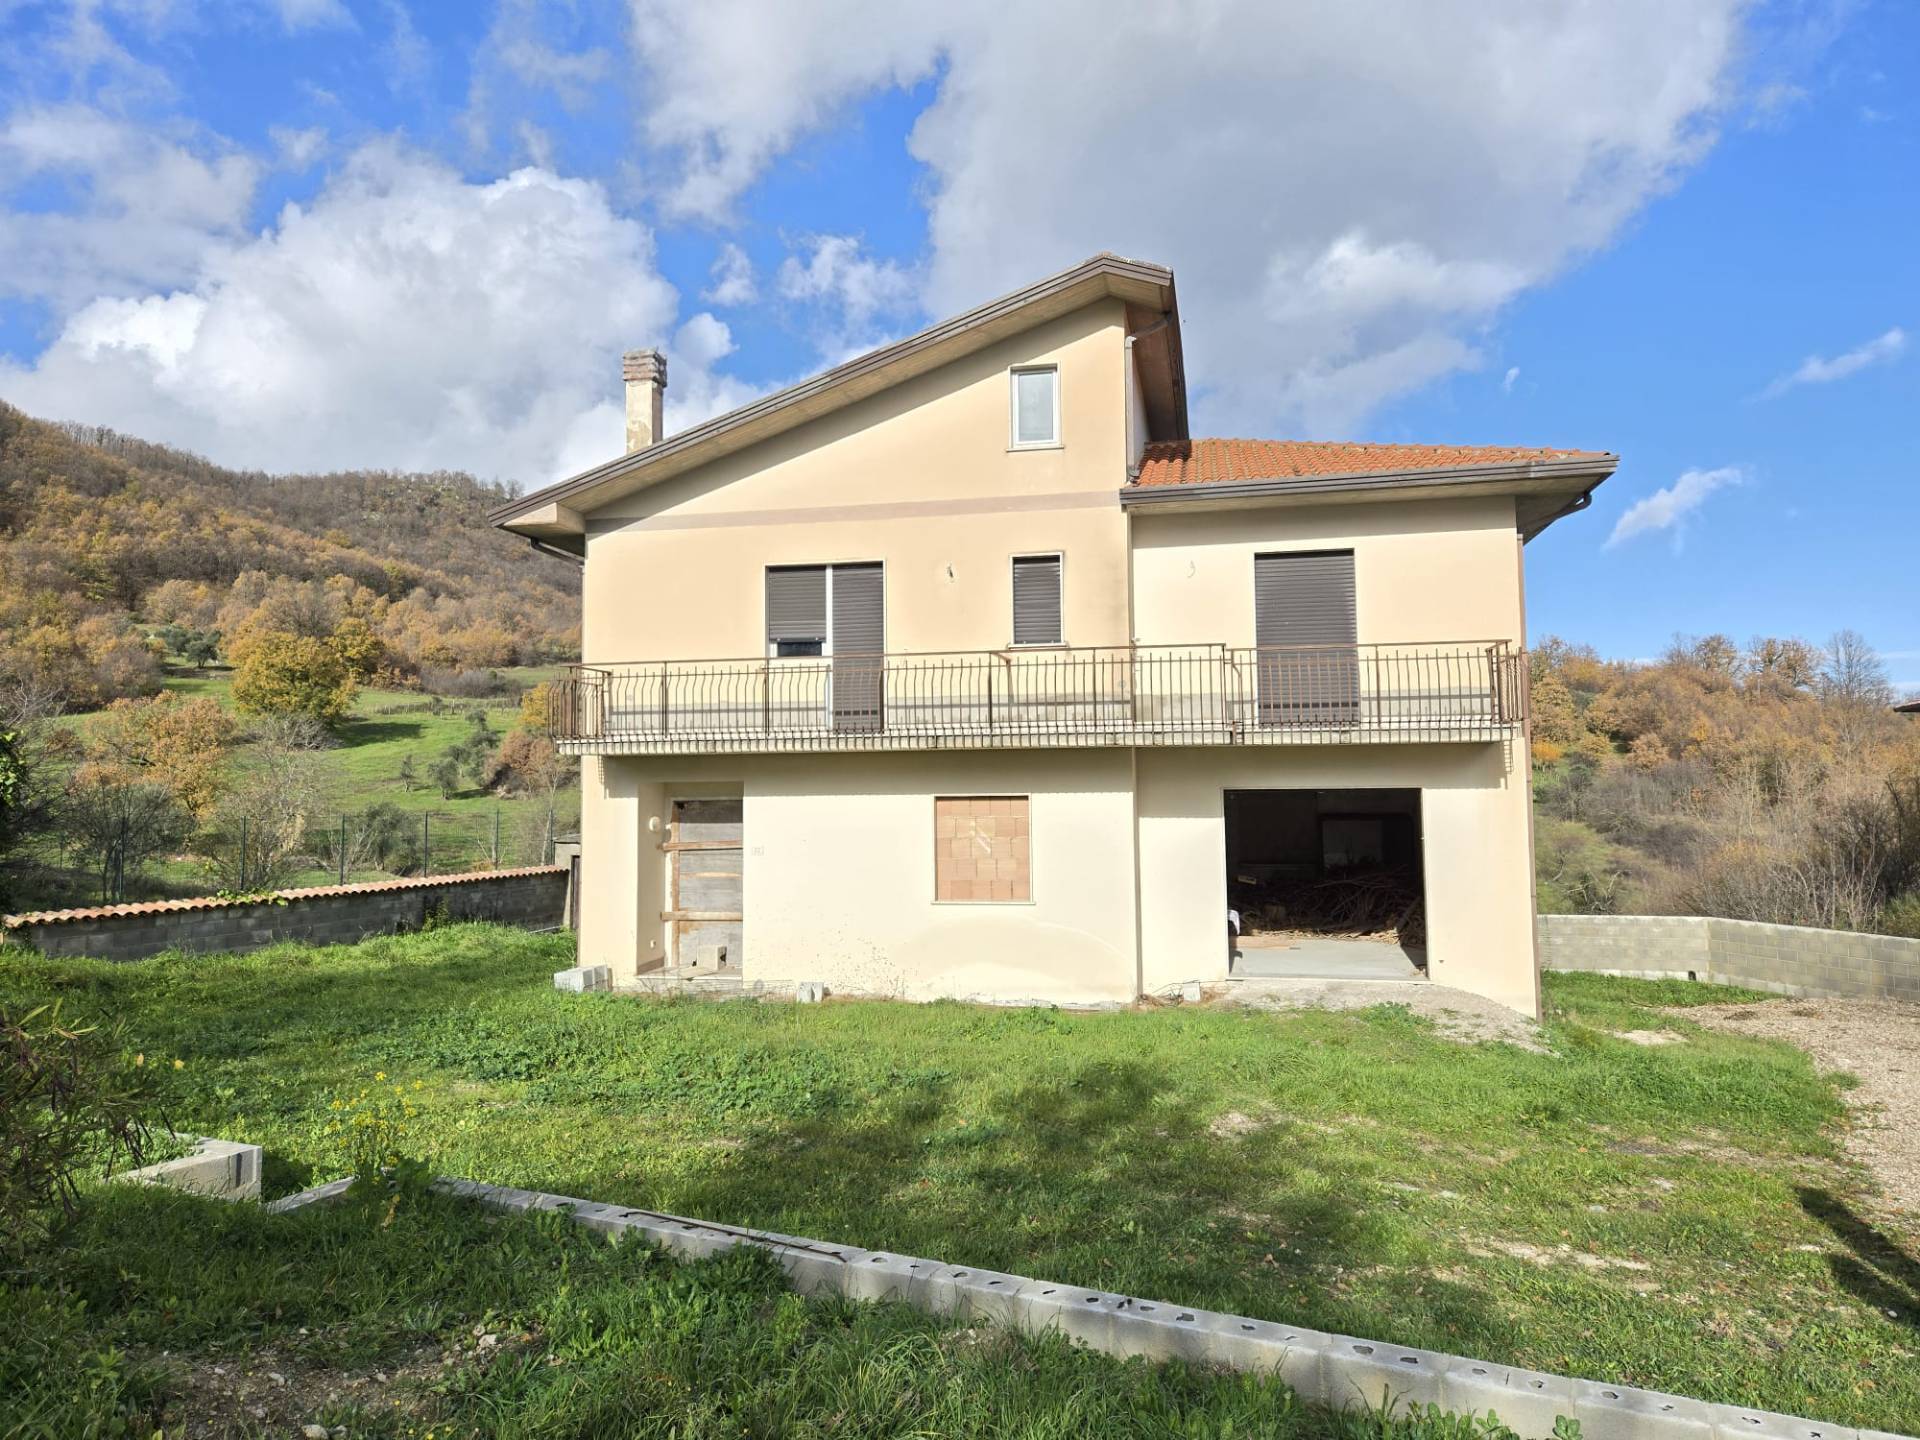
x=1108, y=695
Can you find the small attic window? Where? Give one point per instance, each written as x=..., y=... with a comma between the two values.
x=1036, y=406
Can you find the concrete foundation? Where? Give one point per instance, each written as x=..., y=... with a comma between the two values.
x=224, y=1168
x=1341, y=1372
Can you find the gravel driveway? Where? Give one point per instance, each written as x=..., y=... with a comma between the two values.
x=1877, y=1041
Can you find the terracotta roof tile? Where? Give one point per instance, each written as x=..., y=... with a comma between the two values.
x=1196, y=462
x=311, y=892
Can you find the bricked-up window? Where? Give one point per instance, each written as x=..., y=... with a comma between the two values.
x=980, y=848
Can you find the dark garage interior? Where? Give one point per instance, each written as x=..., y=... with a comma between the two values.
x=1326, y=881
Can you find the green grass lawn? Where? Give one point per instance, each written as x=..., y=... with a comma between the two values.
x=1674, y=1217
x=178, y=1316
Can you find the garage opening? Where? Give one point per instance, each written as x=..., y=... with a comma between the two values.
x=1326, y=884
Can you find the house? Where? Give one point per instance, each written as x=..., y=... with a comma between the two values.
x=963, y=669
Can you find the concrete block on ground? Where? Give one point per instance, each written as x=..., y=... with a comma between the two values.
x=1155, y=1330
x=1365, y=1373
x=582, y=978
x=228, y=1169
x=1620, y=1412
x=969, y=1293
x=1293, y=1352
x=881, y=1275
x=1527, y=1401
x=1190, y=992
x=809, y=992
x=813, y=1270
x=1083, y=1315
x=1733, y=1421
x=325, y=1194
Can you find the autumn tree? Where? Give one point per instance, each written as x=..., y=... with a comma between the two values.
x=178, y=743
x=536, y=709
x=283, y=674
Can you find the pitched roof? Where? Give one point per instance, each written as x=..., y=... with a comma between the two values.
x=1200, y=462
x=1152, y=311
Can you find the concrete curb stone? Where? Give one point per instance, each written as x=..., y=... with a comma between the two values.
x=1343, y=1372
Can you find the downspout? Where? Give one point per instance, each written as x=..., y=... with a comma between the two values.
x=544, y=548
x=1132, y=378
x=1572, y=507
x=1526, y=760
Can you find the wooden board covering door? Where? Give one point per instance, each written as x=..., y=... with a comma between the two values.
x=706, y=901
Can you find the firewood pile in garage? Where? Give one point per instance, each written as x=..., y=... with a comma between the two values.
x=1365, y=904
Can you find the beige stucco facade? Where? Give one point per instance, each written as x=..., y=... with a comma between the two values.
x=1128, y=863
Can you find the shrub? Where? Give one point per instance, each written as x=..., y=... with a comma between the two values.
x=67, y=1103
x=1902, y=916
x=461, y=684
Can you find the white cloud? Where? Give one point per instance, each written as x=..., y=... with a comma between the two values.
x=144, y=205
x=733, y=279
x=1349, y=192
x=404, y=317
x=298, y=15
x=1821, y=370
x=1668, y=509
x=1508, y=380
x=851, y=290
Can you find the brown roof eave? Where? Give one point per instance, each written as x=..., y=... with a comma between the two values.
x=1226, y=492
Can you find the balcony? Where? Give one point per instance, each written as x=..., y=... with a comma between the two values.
x=1021, y=699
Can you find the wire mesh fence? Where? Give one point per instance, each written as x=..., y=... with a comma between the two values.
x=384, y=843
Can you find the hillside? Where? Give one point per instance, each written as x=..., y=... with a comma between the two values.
x=104, y=538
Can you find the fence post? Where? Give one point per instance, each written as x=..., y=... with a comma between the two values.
x=426, y=846
x=496, y=837
x=343, y=848
x=243, y=854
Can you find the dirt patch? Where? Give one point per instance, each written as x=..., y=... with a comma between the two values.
x=1456, y=1015
x=284, y=1392
x=1876, y=1041
x=1650, y=1037
x=1550, y=1255
x=1234, y=1124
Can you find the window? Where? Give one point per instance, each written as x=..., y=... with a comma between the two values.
x=1036, y=599
x=1036, y=406
x=796, y=609
x=980, y=848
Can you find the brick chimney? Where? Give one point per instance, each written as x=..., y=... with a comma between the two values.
x=646, y=376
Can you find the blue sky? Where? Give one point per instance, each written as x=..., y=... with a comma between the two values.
x=302, y=234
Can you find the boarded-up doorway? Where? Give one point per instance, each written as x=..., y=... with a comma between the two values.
x=706, y=910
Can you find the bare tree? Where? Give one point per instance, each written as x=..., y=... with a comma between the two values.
x=259, y=836
x=1851, y=670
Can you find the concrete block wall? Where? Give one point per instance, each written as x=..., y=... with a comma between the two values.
x=1663, y=945
x=325, y=915
x=1786, y=959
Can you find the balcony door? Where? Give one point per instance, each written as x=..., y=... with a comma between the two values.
x=858, y=645
x=1307, y=662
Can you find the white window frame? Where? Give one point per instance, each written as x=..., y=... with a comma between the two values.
x=1013, y=562
x=1014, y=442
